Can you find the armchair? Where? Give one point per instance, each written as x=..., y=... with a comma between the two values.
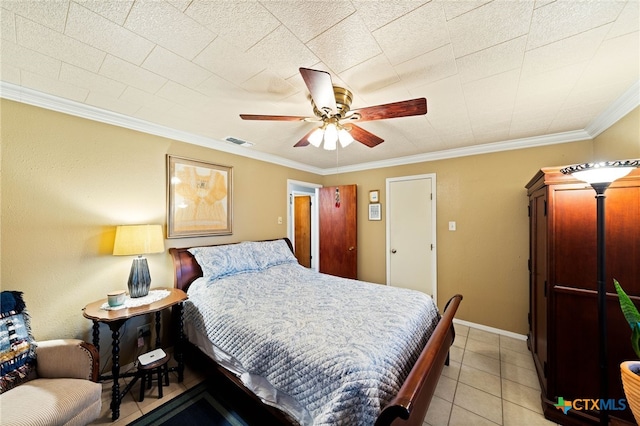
x=57, y=386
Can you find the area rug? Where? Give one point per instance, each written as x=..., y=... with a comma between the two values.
x=200, y=405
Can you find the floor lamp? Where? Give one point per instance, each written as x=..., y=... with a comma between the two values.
x=600, y=176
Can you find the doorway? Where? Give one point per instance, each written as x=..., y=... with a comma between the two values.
x=301, y=189
x=411, y=233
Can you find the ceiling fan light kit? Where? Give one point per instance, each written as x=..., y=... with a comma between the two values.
x=331, y=105
x=330, y=132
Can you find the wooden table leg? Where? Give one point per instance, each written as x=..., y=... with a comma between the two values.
x=158, y=327
x=181, y=338
x=96, y=335
x=115, y=369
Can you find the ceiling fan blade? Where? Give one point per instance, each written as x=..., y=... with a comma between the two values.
x=364, y=137
x=393, y=110
x=321, y=89
x=305, y=139
x=272, y=117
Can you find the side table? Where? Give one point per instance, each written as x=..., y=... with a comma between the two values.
x=116, y=318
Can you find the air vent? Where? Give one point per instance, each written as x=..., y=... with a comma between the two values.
x=237, y=141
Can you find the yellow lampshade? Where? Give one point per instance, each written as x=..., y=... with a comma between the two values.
x=138, y=239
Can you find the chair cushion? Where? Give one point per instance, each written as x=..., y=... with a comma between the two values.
x=17, y=345
x=52, y=402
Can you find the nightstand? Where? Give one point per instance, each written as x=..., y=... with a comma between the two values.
x=117, y=317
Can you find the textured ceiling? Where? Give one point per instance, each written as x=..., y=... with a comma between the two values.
x=493, y=72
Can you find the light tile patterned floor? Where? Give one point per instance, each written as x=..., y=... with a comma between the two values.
x=491, y=380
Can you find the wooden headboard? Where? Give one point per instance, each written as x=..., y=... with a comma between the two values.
x=186, y=268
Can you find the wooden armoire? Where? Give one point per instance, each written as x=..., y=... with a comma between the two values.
x=563, y=328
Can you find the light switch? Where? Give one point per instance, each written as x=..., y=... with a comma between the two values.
x=452, y=226
x=279, y=220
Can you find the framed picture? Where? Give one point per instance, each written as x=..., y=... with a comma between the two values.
x=374, y=212
x=199, y=198
x=373, y=196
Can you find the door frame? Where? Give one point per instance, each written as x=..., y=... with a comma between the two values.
x=296, y=187
x=434, y=257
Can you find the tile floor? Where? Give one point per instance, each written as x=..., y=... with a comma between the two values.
x=491, y=380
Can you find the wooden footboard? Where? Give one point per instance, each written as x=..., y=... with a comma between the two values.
x=410, y=405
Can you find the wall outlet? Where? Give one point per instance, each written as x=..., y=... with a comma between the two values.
x=143, y=331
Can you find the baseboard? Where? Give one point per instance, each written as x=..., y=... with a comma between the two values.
x=491, y=329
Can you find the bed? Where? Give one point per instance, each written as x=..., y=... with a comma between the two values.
x=323, y=350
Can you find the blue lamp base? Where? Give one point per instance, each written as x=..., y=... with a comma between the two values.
x=139, y=278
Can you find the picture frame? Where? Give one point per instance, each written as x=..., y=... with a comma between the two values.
x=375, y=212
x=374, y=196
x=199, y=198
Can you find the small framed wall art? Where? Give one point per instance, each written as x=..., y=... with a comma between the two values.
x=374, y=196
x=199, y=198
x=374, y=212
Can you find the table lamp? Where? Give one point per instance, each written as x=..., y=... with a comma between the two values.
x=138, y=240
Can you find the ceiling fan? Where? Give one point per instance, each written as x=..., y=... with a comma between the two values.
x=331, y=106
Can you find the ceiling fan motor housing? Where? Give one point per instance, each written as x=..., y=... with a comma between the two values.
x=343, y=97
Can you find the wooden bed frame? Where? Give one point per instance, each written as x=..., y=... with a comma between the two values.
x=410, y=406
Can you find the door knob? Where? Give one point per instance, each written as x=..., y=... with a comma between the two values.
x=393, y=250
x=352, y=248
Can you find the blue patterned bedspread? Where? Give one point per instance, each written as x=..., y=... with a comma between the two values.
x=341, y=348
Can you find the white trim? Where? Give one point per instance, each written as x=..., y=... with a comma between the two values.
x=618, y=109
x=621, y=107
x=537, y=141
x=491, y=329
x=32, y=97
x=434, y=266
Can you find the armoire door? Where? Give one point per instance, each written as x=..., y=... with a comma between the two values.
x=538, y=284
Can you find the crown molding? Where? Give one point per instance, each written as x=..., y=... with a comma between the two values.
x=556, y=138
x=25, y=95
x=621, y=107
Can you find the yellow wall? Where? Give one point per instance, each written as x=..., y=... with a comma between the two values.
x=485, y=259
x=621, y=141
x=67, y=181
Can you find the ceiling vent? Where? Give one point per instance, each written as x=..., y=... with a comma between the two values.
x=237, y=141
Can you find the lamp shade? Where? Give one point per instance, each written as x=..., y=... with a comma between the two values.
x=603, y=172
x=330, y=137
x=138, y=239
x=344, y=137
x=315, y=138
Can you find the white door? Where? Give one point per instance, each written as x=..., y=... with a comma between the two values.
x=411, y=253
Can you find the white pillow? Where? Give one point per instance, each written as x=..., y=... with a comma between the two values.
x=271, y=253
x=220, y=261
x=224, y=260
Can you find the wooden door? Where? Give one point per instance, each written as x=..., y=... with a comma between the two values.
x=411, y=258
x=302, y=236
x=338, y=231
